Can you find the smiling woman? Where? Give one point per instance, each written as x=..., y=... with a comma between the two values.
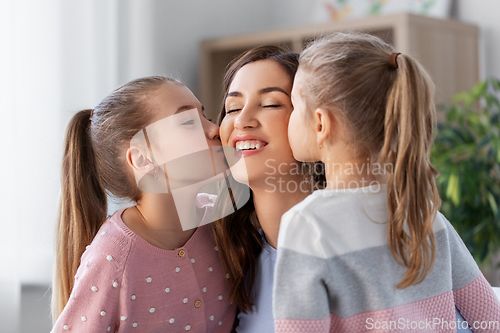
x=254, y=122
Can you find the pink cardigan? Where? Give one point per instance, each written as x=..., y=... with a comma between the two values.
x=125, y=284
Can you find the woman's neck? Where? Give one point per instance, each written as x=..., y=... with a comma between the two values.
x=155, y=219
x=270, y=205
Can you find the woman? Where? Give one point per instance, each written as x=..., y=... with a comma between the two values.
x=254, y=120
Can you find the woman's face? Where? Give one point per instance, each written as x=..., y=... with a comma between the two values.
x=258, y=108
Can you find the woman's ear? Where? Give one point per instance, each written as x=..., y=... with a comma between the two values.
x=323, y=125
x=138, y=160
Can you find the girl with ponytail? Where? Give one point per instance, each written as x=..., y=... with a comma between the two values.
x=371, y=251
x=140, y=269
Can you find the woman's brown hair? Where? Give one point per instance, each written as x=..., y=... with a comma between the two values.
x=388, y=108
x=94, y=166
x=237, y=235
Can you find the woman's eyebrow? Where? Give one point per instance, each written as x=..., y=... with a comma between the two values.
x=234, y=94
x=261, y=92
x=271, y=89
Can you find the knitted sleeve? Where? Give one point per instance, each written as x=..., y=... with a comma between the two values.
x=94, y=302
x=474, y=297
x=300, y=296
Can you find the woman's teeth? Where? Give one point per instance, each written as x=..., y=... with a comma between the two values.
x=249, y=145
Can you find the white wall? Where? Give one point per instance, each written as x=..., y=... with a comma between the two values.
x=486, y=15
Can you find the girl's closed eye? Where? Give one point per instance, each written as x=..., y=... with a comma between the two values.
x=188, y=122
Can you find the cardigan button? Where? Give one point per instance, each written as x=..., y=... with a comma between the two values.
x=197, y=303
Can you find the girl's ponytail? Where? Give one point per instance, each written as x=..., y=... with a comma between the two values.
x=94, y=165
x=413, y=198
x=82, y=207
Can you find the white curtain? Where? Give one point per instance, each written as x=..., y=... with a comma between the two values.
x=56, y=57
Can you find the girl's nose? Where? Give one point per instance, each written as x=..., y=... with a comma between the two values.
x=211, y=130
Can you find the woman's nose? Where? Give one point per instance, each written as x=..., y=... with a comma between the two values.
x=245, y=119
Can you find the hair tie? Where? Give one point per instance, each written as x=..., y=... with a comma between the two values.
x=393, y=59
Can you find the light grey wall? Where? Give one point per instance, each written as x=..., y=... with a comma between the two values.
x=162, y=36
x=486, y=15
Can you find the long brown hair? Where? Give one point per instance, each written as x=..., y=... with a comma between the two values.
x=237, y=235
x=389, y=111
x=94, y=166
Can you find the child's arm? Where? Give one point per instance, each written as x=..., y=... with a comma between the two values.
x=300, y=296
x=94, y=301
x=474, y=297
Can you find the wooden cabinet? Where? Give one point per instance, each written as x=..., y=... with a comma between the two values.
x=448, y=49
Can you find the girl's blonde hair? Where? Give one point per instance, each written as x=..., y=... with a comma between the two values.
x=94, y=166
x=388, y=109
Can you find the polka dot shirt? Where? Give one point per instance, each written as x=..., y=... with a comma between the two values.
x=125, y=284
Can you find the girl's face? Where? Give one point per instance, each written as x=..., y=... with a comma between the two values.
x=181, y=138
x=258, y=108
x=300, y=128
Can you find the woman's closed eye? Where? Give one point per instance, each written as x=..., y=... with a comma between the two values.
x=272, y=106
x=228, y=111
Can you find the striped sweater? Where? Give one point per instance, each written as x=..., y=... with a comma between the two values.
x=335, y=272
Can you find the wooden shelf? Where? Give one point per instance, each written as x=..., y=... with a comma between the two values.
x=448, y=49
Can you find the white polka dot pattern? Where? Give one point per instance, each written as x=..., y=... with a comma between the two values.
x=99, y=278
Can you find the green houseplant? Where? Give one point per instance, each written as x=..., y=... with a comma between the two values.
x=467, y=154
